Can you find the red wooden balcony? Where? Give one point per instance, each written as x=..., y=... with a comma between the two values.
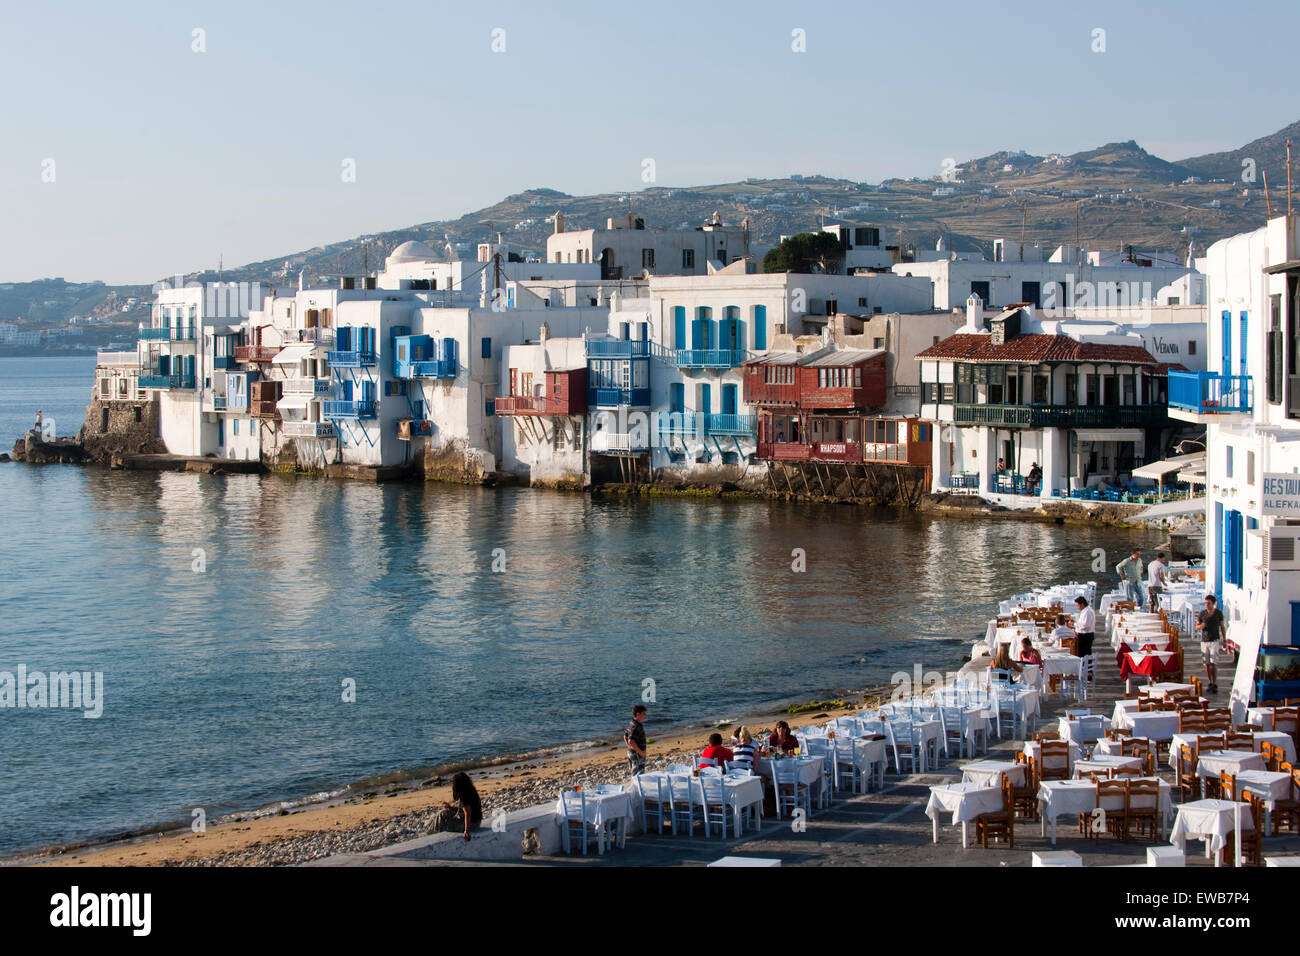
x=256, y=353
x=541, y=405
x=770, y=384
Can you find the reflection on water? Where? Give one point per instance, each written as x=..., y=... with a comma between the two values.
x=223, y=689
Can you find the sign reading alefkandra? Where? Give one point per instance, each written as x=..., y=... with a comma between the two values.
x=1281, y=494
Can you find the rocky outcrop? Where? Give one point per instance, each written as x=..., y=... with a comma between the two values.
x=457, y=462
x=34, y=450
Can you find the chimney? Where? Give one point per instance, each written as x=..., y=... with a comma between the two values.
x=544, y=333
x=559, y=223
x=974, y=313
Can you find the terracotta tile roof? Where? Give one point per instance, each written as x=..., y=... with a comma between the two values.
x=1172, y=367
x=1034, y=347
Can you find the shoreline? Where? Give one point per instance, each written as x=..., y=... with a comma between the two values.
x=406, y=802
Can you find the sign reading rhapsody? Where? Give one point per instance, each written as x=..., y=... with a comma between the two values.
x=1281, y=494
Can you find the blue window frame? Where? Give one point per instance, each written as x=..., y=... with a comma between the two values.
x=221, y=431
x=234, y=426
x=677, y=397
x=489, y=408
x=487, y=348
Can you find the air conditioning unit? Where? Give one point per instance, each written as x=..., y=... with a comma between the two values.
x=1280, y=548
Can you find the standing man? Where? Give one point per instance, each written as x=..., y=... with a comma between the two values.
x=1085, y=624
x=1210, y=623
x=1034, y=479
x=1130, y=574
x=1157, y=571
x=634, y=738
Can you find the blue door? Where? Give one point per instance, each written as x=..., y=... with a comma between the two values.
x=728, y=399
x=679, y=326
x=702, y=328
x=706, y=399
x=1241, y=345
x=760, y=326
x=1295, y=624
x=1221, y=527
x=1226, y=364
x=677, y=397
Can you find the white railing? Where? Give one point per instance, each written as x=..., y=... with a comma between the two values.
x=317, y=336
x=117, y=358
x=307, y=386
x=612, y=441
x=307, y=429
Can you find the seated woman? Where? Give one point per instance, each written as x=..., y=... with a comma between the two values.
x=746, y=752
x=1029, y=654
x=1003, y=662
x=716, y=753
x=782, y=739
x=465, y=815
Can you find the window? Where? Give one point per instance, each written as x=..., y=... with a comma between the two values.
x=877, y=343
x=857, y=377
x=981, y=289
x=1228, y=461
x=936, y=340
x=862, y=302
x=1250, y=467
x=489, y=408
x=1041, y=389
x=929, y=393
x=647, y=258
x=234, y=426
x=947, y=392
x=688, y=258
x=1091, y=384
x=1273, y=370
x=1030, y=292
x=487, y=348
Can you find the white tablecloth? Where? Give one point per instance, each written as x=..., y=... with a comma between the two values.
x=741, y=792
x=1085, y=728
x=601, y=806
x=1061, y=664
x=965, y=801
x=1269, y=785
x=1260, y=715
x=1113, y=747
x=1214, y=762
x=1107, y=762
x=1261, y=737
x=1058, y=798
x=1033, y=749
x=1122, y=707
x=1161, y=689
x=1153, y=724
x=1210, y=820
x=989, y=773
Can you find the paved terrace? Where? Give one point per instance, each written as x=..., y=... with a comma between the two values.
x=883, y=828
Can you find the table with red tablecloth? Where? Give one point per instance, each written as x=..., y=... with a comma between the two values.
x=1146, y=663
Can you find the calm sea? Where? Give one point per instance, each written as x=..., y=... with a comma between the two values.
x=224, y=686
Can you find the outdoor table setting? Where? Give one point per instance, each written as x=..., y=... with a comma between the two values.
x=1260, y=715
x=1106, y=763
x=1108, y=745
x=1261, y=737
x=965, y=801
x=989, y=773
x=1144, y=643
x=603, y=805
x=1082, y=729
x=1146, y=663
x=1211, y=763
x=1062, y=664
x=870, y=751
x=1034, y=749
x=1057, y=798
x=741, y=792
x=1159, y=725
x=1211, y=821
x=1163, y=690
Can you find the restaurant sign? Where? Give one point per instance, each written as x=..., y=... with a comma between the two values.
x=1281, y=494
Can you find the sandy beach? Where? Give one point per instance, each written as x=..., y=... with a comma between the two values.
x=397, y=812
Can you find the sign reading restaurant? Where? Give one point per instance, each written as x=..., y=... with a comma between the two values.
x=1281, y=494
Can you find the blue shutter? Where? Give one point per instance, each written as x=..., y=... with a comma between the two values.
x=728, y=399
x=679, y=326
x=760, y=326
x=677, y=397
x=1226, y=364
x=706, y=399
x=1241, y=360
x=487, y=348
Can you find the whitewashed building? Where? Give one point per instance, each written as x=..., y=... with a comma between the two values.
x=625, y=248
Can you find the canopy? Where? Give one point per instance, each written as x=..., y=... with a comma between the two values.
x=1171, y=509
x=1158, y=469
x=293, y=355
x=295, y=400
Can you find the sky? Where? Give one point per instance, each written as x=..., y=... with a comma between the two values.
x=142, y=139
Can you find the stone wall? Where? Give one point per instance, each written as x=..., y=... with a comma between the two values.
x=132, y=429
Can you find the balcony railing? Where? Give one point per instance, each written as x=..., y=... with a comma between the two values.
x=315, y=336
x=152, y=380
x=431, y=368
x=218, y=403
x=341, y=409
x=256, y=353
x=710, y=358
x=307, y=429
x=618, y=348
x=1060, y=416
x=613, y=397
x=350, y=359
x=739, y=425
x=307, y=386
x=533, y=405
x=118, y=358
x=168, y=334
x=615, y=441
x=881, y=451
x=1210, y=393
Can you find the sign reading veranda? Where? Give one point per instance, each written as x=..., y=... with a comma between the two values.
x=1281, y=494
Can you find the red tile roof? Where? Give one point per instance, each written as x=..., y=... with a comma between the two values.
x=1035, y=347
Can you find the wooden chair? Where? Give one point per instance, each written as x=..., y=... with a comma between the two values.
x=1191, y=722
x=1144, y=807
x=1286, y=811
x=1286, y=720
x=1196, y=685
x=999, y=822
x=1119, y=772
x=1024, y=799
x=1252, y=841
x=1228, y=785
x=1240, y=741
x=1149, y=704
x=1274, y=756
x=1208, y=742
x=1118, y=733
x=1054, y=760
x=1134, y=694
x=1189, y=784
x=1047, y=735
x=1112, y=797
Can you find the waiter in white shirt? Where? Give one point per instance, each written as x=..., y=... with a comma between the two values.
x=1157, y=574
x=1085, y=625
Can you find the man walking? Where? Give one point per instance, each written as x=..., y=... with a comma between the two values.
x=634, y=738
x=1157, y=571
x=1210, y=623
x=1130, y=575
x=1085, y=625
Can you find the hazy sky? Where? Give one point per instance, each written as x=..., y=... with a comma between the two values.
x=165, y=158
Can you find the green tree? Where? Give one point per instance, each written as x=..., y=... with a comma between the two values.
x=806, y=252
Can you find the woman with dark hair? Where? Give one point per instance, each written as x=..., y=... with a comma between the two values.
x=466, y=814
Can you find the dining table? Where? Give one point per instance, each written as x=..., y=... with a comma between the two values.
x=1158, y=725
x=602, y=805
x=1057, y=798
x=742, y=792
x=989, y=773
x=1107, y=763
x=1262, y=737
x=1211, y=821
x=965, y=801
x=1214, y=762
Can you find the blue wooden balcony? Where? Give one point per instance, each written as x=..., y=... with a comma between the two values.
x=344, y=409
x=710, y=358
x=618, y=348
x=168, y=334
x=432, y=368
x=154, y=380
x=1209, y=393
x=613, y=397
x=738, y=425
x=350, y=359
x=224, y=361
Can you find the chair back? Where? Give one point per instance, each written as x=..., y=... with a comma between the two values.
x=1054, y=758
x=1112, y=795
x=1228, y=784
x=651, y=790
x=1143, y=794
x=713, y=789
x=1273, y=755
x=1240, y=741
x=574, y=803
x=1286, y=720
x=680, y=769
x=702, y=762
x=1208, y=742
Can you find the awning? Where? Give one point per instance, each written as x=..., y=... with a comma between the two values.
x=293, y=355
x=1291, y=265
x=1110, y=434
x=1158, y=469
x=1193, y=476
x=296, y=400
x=1171, y=509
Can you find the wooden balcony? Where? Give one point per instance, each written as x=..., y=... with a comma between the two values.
x=256, y=353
